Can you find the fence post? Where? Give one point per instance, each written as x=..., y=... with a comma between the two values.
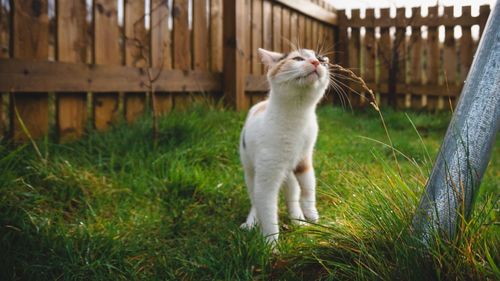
x=234, y=25
x=465, y=152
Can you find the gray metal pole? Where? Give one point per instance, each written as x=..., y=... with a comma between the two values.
x=465, y=152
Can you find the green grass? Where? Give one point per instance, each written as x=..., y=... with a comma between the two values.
x=114, y=207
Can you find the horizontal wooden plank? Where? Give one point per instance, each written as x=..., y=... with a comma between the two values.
x=464, y=20
x=40, y=76
x=256, y=83
x=310, y=9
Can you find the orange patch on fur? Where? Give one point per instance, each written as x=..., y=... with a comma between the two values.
x=277, y=68
x=302, y=167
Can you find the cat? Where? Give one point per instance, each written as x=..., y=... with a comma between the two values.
x=277, y=140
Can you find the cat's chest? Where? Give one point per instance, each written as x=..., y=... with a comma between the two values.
x=289, y=138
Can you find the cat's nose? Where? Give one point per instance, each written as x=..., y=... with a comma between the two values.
x=314, y=62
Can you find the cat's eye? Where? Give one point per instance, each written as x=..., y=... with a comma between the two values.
x=321, y=59
x=298, y=58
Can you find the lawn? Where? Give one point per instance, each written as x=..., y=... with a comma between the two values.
x=113, y=206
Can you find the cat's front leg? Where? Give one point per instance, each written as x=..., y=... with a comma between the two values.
x=292, y=197
x=307, y=181
x=265, y=198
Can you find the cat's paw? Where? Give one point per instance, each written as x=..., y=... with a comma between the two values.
x=247, y=226
x=311, y=215
x=298, y=219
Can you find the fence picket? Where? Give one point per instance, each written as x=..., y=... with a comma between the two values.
x=216, y=35
x=370, y=53
x=285, y=30
x=106, y=51
x=432, y=58
x=400, y=45
x=30, y=35
x=449, y=59
x=136, y=52
x=71, y=108
x=466, y=47
x=256, y=36
x=277, y=28
x=415, y=52
x=200, y=35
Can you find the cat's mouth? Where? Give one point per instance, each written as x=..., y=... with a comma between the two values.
x=314, y=72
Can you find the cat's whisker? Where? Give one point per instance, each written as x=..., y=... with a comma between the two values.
x=339, y=93
x=342, y=93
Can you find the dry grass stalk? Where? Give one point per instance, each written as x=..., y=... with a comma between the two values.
x=350, y=74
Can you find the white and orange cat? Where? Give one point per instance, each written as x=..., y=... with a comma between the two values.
x=277, y=140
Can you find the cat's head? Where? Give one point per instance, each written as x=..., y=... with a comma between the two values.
x=302, y=68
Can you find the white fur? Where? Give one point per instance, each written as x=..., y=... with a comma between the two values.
x=275, y=139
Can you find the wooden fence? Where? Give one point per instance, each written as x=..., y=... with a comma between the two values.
x=403, y=59
x=77, y=67
x=73, y=67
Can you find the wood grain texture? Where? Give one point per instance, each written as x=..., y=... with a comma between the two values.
x=301, y=31
x=135, y=104
x=449, y=54
x=267, y=25
x=30, y=34
x=308, y=42
x=161, y=43
x=257, y=34
x=285, y=30
x=106, y=51
x=432, y=50
x=370, y=50
x=311, y=9
x=216, y=49
x=466, y=48
x=106, y=108
x=234, y=54
x=400, y=45
x=26, y=75
x=433, y=60
x=136, y=47
x=355, y=49
x=277, y=41
x=314, y=35
x=415, y=53
x=71, y=108
x=384, y=50
x=5, y=22
x=182, y=35
x=71, y=31
x=136, y=54
x=246, y=19
x=164, y=103
x=294, y=33
x=71, y=117
x=106, y=33
x=200, y=35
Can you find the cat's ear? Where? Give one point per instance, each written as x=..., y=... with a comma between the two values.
x=269, y=58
